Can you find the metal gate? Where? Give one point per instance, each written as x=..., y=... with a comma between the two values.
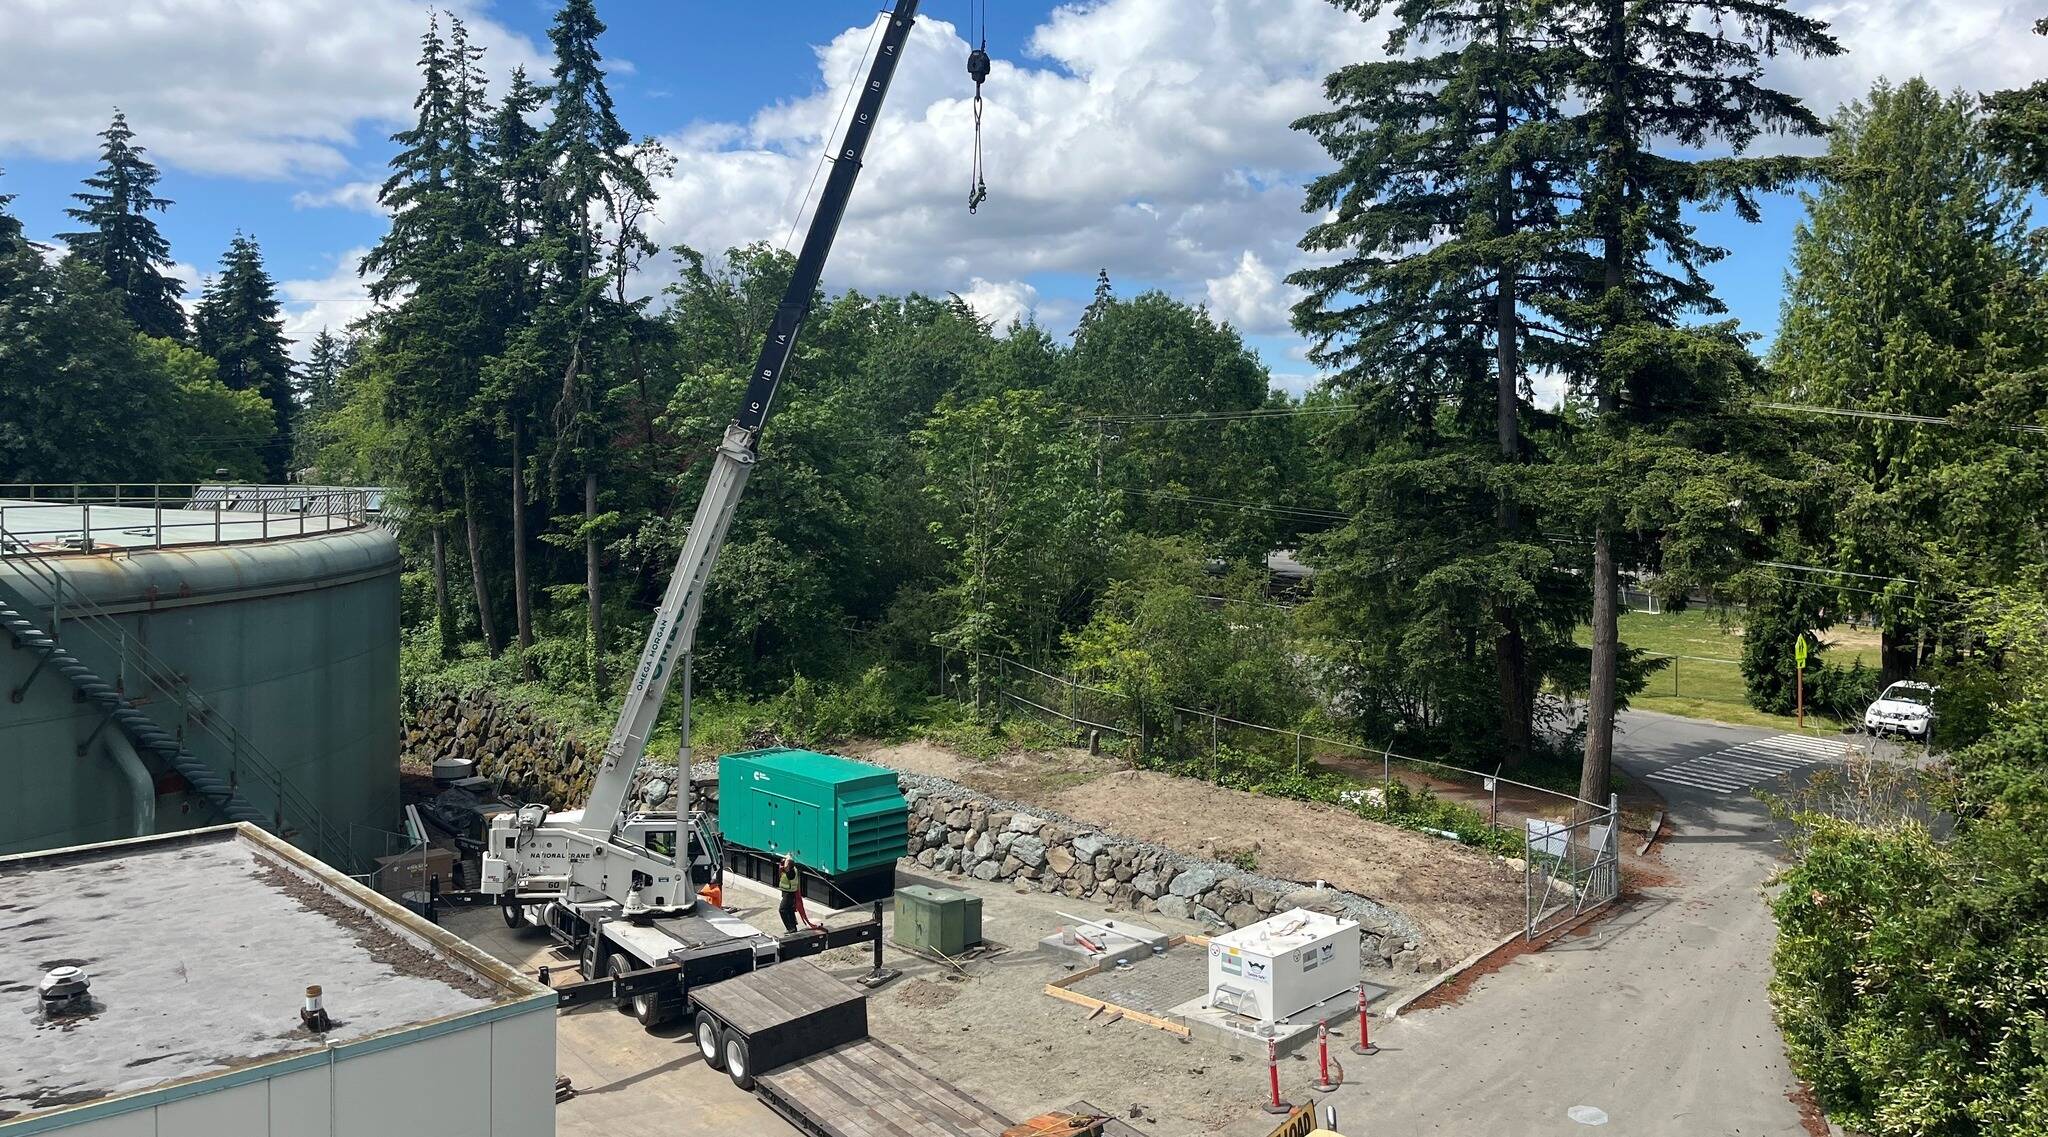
x=1570, y=868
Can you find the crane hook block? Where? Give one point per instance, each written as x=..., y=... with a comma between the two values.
x=977, y=66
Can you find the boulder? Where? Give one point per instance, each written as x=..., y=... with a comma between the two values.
x=1084, y=876
x=1089, y=846
x=1060, y=859
x=1174, y=906
x=1193, y=882
x=1145, y=884
x=1025, y=823
x=1010, y=867
x=1101, y=864
x=984, y=849
x=1124, y=871
x=956, y=838
x=1241, y=915
x=986, y=870
x=1029, y=850
x=1263, y=900
x=956, y=819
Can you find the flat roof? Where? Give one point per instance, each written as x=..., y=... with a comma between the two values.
x=200, y=946
x=61, y=527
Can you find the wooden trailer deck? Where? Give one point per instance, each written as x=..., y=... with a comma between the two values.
x=787, y=1012
x=870, y=1089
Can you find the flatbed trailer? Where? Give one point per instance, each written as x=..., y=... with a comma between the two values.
x=867, y=1088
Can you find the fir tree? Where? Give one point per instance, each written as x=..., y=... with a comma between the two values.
x=2018, y=127
x=325, y=361
x=121, y=239
x=1912, y=291
x=1691, y=74
x=240, y=325
x=1448, y=209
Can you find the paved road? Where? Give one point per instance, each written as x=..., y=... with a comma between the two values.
x=1657, y=1019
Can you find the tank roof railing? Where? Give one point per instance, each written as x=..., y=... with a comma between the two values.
x=39, y=516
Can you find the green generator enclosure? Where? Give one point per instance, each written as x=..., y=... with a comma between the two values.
x=937, y=919
x=834, y=815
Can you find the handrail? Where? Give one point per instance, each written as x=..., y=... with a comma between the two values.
x=273, y=511
x=160, y=675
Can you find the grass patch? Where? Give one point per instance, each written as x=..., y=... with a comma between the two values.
x=1705, y=681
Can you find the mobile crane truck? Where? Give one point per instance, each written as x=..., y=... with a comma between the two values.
x=617, y=880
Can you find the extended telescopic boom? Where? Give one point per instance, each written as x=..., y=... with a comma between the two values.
x=674, y=633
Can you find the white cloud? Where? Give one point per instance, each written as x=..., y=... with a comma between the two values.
x=1977, y=45
x=1150, y=136
x=257, y=90
x=332, y=302
x=1253, y=297
x=358, y=196
x=1001, y=303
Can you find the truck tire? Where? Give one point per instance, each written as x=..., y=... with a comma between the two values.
x=514, y=914
x=709, y=1044
x=655, y=1008
x=739, y=1065
x=614, y=967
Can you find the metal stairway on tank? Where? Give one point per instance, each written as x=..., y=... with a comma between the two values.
x=293, y=818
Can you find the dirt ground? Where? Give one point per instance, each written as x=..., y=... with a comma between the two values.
x=1462, y=899
x=991, y=1029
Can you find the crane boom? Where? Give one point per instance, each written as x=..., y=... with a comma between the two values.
x=672, y=638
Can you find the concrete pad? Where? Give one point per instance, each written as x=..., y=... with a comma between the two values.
x=1121, y=942
x=1249, y=1036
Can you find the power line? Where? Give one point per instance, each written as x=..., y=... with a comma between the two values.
x=1891, y=416
x=1285, y=510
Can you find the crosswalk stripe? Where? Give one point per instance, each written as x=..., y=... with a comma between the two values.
x=1746, y=764
x=1698, y=777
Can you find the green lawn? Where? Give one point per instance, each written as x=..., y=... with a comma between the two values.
x=1705, y=680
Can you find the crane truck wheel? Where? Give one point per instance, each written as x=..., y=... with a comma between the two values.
x=514, y=914
x=613, y=968
x=653, y=1009
x=708, y=1040
x=739, y=1065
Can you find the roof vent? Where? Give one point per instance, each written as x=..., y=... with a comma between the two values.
x=65, y=991
x=314, y=1013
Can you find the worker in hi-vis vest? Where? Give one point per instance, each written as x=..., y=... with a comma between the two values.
x=785, y=879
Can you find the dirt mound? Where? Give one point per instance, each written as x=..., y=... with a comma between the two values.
x=1461, y=899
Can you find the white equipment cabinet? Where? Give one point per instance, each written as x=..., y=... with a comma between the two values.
x=1283, y=964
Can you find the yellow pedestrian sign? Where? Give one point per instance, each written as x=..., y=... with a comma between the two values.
x=1799, y=653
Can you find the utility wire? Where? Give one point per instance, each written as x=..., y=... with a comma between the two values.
x=1889, y=416
x=1285, y=510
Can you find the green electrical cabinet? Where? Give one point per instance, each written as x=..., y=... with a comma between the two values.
x=840, y=817
x=944, y=920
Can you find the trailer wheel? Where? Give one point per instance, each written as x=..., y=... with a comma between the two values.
x=739, y=1065
x=654, y=1009
x=708, y=1041
x=615, y=967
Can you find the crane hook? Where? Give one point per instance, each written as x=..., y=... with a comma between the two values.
x=977, y=70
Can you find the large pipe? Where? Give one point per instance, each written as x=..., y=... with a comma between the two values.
x=141, y=787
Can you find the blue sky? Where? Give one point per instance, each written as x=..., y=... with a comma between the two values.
x=1147, y=137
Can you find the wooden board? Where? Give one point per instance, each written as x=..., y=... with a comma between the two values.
x=1094, y=1004
x=787, y=1012
x=871, y=1089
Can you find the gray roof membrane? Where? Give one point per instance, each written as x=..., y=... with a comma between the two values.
x=200, y=951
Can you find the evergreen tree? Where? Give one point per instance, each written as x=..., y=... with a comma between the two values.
x=2018, y=127
x=597, y=192
x=1448, y=209
x=1689, y=73
x=428, y=353
x=1914, y=289
x=122, y=240
x=240, y=325
x=324, y=363
x=10, y=226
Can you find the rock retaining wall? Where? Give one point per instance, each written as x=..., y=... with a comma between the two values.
x=539, y=762
x=958, y=830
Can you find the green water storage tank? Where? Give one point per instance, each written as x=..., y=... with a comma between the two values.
x=836, y=815
x=937, y=919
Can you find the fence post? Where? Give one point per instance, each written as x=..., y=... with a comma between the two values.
x=88, y=527
x=217, y=503
x=1387, y=777
x=1297, y=752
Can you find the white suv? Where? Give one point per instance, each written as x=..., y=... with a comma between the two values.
x=1904, y=708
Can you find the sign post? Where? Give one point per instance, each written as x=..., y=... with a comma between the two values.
x=1799, y=678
